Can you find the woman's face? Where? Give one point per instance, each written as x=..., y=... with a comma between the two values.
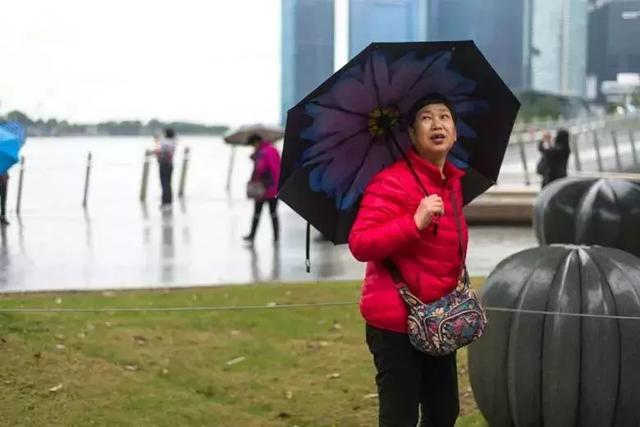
x=433, y=132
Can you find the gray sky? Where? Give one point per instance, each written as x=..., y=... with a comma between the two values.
x=212, y=61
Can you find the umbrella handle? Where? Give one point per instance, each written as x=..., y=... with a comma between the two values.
x=307, y=261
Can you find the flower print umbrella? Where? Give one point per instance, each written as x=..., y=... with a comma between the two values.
x=354, y=125
x=12, y=137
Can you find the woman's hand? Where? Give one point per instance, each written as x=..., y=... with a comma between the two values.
x=428, y=207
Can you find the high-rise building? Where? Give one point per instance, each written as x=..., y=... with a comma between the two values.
x=614, y=35
x=500, y=28
x=385, y=21
x=307, y=48
x=559, y=40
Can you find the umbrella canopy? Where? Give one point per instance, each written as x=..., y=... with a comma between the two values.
x=355, y=124
x=241, y=135
x=12, y=137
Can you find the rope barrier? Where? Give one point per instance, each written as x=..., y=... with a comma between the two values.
x=286, y=306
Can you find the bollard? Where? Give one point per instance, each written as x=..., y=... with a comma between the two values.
x=575, y=135
x=231, y=159
x=632, y=141
x=145, y=176
x=596, y=145
x=614, y=139
x=86, y=181
x=20, y=179
x=183, y=174
x=523, y=157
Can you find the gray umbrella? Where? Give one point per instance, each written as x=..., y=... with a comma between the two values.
x=240, y=136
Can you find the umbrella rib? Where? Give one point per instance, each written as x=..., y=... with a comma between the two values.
x=339, y=143
x=364, y=158
x=342, y=110
x=376, y=90
x=422, y=74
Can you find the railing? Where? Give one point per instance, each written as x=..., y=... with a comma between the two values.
x=598, y=144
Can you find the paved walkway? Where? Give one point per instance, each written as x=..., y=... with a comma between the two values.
x=197, y=243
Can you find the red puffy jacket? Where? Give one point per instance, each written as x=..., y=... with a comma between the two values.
x=384, y=227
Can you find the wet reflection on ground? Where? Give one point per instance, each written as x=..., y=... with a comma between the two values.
x=197, y=242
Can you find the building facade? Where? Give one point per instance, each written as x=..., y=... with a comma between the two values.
x=385, y=21
x=614, y=41
x=307, y=48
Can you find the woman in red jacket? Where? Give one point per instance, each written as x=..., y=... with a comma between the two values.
x=421, y=236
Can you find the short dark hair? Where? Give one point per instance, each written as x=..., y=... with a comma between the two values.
x=562, y=138
x=254, y=138
x=432, y=98
x=169, y=133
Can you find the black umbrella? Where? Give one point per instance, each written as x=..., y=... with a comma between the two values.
x=354, y=124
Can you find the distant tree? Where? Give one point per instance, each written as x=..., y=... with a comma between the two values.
x=20, y=117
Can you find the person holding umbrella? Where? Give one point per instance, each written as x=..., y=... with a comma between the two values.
x=263, y=185
x=12, y=137
x=383, y=155
x=4, y=182
x=421, y=233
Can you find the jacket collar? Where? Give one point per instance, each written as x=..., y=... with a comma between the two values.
x=427, y=168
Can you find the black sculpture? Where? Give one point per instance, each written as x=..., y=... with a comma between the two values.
x=602, y=212
x=552, y=370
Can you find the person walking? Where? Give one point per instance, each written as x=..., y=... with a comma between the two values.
x=263, y=185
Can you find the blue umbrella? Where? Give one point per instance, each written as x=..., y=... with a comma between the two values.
x=12, y=137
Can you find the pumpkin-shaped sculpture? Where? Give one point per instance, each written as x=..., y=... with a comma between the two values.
x=560, y=370
x=602, y=212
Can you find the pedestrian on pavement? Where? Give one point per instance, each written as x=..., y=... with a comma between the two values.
x=164, y=151
x=4, y=182
x=555, y=157
x=263, y=185
x=426, y=238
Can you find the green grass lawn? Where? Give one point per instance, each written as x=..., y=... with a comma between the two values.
x=306, y=366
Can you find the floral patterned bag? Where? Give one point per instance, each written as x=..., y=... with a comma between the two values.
x=453, y=321
x=445, y=325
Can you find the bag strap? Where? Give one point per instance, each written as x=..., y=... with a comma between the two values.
x=396, y=276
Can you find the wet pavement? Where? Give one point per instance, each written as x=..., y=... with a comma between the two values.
x=117, y=242
x=193, y=244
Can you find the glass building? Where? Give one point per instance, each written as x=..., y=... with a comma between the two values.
x=500, y=28
x=385, y=21
x=614, y=35
x=559, y=38
x=307, y=48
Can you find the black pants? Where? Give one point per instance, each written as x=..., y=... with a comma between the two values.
x=166, y=170
x=257, y=210
x=409, y=380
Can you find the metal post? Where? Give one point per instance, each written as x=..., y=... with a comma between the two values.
x=231, y=159
x=523, y=158
x=614, y=139
x=20, y=180
x=632, y=141
x=145, y=176
x=575, y=135
x=183, y=174
x=596, y=145
x=86, y=181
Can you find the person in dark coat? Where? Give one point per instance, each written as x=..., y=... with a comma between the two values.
x=554, y=158
x=4, y=181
